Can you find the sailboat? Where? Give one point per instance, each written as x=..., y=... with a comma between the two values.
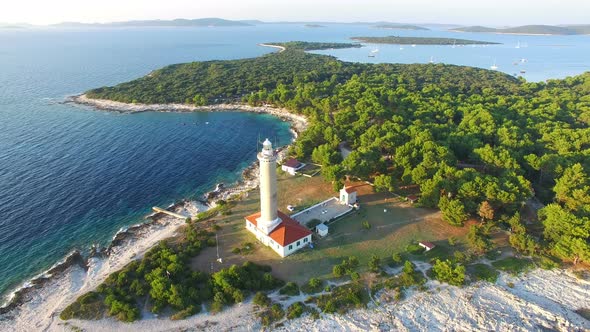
x=494, y=67
x=431, y=60
x=373, y=53
x=454, y=43
x=517, y=45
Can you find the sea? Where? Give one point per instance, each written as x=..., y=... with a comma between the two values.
x=71, y=177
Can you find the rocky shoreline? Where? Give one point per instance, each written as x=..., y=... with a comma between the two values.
x=125, y=238
x=298, y=122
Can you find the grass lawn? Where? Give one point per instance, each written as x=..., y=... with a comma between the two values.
x=393, y=225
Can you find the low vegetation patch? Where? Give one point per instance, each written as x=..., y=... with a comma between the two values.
x=547, y=263
x=291, y=289
x=343, y=298
x=164, y=279
x=88, y=306
x=414, y=249
x=407, y=278
x=295, y=310
x=347, y=267
x=261, y=299
x=483, y=272
x=514, y=265
x=246, y=249
x=314, y=285
x=222, y=207
x=271, y=314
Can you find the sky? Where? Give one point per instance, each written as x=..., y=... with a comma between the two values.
x=468, y=12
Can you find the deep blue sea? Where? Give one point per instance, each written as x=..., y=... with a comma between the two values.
x=71, y=177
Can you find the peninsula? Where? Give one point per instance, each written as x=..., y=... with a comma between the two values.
x=420, y=41
x=475, y=178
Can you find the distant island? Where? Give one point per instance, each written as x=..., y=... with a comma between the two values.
x=199, y=22
x=314, y=26
x=400, y=27
x=531, y=30
x=420, y=41
x=311, y=46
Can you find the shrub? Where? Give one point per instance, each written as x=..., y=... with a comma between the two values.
x=346, y=267
x=355, y=276
x=238, y=296
x=478, y=240
x=314, y=285
x=236, y=250
x=452, y=241
x=271, y=315
x=338, y=271
x=211, y=242
x=414, y=248
x=396, y=258
x=261, y=299
x=291, y=289
x=547, y=263
x=343, y=298
x=366, y=224
x=189, y=311
x=295, y=310
x=216, y=307
x=375, y=264
x=446, y=271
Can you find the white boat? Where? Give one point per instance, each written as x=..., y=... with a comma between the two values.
x=431, y=60
x=373, y=53
x=494, y=67
x=454, y=43
x=413, y=45
x=401, y=48
x=517, y=45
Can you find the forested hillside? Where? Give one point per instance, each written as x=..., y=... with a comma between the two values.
x=468, y=137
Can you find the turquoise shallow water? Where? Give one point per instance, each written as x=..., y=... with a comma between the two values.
x=71, y=177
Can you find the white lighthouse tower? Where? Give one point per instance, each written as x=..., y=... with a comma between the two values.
x=269, y=218
x=273, y=228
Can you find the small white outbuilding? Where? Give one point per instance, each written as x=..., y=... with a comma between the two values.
x=348, y=195
x=322, y=230
x=291, y=166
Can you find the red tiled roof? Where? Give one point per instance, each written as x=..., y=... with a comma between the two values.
x=412, y=197
x=427, y=244
x=294, y=163
x=349, y=190
x=287, y=232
